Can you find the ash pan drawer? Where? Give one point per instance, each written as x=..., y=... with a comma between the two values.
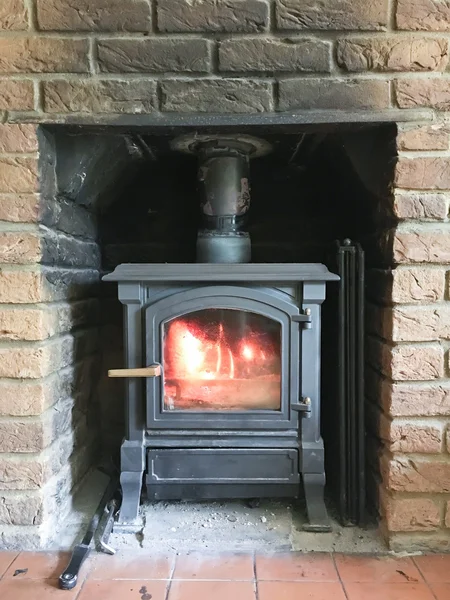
x=209, y=465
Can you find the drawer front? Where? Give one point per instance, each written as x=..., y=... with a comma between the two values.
x=209, y=465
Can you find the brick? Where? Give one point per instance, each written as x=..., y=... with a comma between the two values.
x=423, y=137
x=422, y=173
x=16, y=95
x=43, y=55
x=94, y=15
x=410, y=285
x=410, y=514
x=392, y=54
x=18, y=138
x=210, y=15
x=428, y=93
x=20, y=509
x=64, y=215
x=418, y=285
x=406, y=362
x=421, y=206
x=404, y=474
x=421, y=247
x=154, y=55
x=21, y=436
x=447, y=440
x=424, y=15
x=23, y=324
x=100, y=96
x=413, y=437
x=19, y=208
x=47, y=284
x=68, y=251
x=19, y=247
x=332, y=15
x=332, y=94
x=409, y=323
x=13, y=15
x=271, y=54
x=21, y=473
x=33, y=361
x=447, y=514
x=217, y=96
x=18, y=175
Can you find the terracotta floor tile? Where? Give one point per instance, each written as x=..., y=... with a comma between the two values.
x=6, y=559
x=300, y=590
x=296, y=567
x=40, y=565
x=435, y=568
x=34, y=589
x=212, y=590
x=388, y=591
x=137, y=589
x=381, y=569
x=441, y=590
x=130, y=566
x=227, y=566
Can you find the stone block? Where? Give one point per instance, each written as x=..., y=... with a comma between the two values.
x=19, y=287
x=406, y=474
x=67, y=216
x=154, y=55
x=410, y=514
x=426, y=93
x=421, y=206
x=332, y=14
x=19, y=247
x=43, y=55
x=421, y=247
x=16, y=95
x=94, y=15
x=67, y=251
x=13, y=15
x=423, y=15
x=18, y=138
x=210, y=15
x=272, y=54
x=110, y=96
x=337, y=94
x=19, y=208
x=392, y=54
x=23, y=324
x=18, y=174
x=423, y=137
x=217, y=96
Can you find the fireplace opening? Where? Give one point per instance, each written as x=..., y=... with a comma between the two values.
x=131, y=197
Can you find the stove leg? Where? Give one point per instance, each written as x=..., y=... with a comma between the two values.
x=318, y=521
x=132, y=472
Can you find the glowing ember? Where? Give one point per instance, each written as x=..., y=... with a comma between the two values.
x=225, y=363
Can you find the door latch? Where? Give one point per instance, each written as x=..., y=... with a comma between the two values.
x=304, y=406
x=304, y=318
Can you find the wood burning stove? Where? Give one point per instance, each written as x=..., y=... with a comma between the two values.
x=223, y=360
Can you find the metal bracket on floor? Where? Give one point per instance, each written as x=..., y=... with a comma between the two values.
x=69, y=578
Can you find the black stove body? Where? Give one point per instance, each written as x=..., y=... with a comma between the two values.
x=230, y=353
x=263, y=439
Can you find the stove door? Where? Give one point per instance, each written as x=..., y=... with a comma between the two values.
x=229, y=356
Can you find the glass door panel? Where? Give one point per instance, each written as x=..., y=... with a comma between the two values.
x=222, y=359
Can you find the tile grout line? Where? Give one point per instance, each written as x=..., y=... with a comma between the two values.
x=170, y=580
x=333, y=558
x=255, y=577
x=424, y=578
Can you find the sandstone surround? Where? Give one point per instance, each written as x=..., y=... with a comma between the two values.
x=90, y=59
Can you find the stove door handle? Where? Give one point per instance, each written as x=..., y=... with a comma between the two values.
x=150, y=371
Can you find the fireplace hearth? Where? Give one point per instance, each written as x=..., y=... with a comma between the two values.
x=222, y=359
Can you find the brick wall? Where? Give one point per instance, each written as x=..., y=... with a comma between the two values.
x=66, y=58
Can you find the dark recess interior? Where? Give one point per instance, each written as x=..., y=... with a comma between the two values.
x=314, y=188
